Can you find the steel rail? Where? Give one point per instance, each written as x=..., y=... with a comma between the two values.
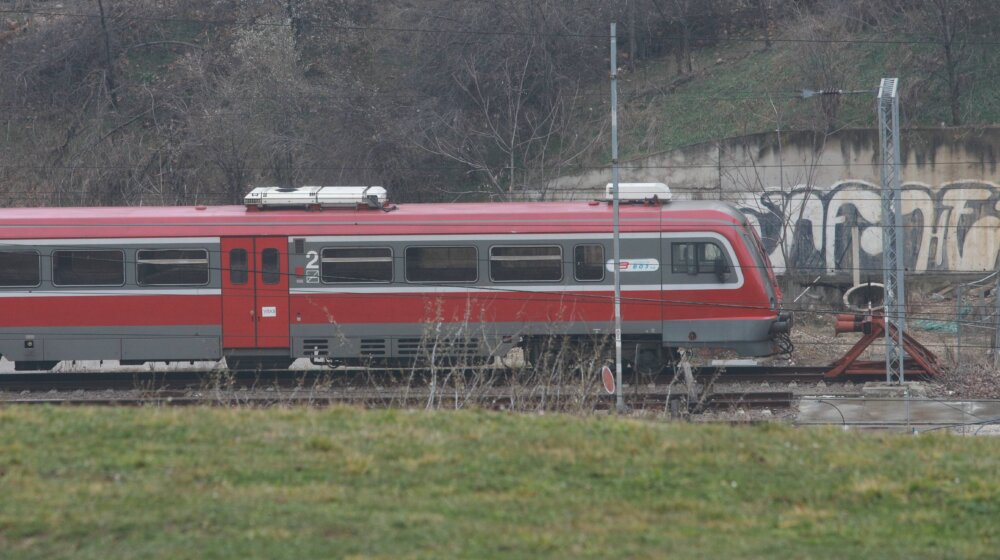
x=125, y=380
x=715, y=402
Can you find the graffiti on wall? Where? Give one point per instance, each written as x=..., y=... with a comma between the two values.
x=953, y=227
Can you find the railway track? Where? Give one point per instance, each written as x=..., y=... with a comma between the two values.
x=145, y=380
x=393, y=399
x=393, y=388
x=179, y=380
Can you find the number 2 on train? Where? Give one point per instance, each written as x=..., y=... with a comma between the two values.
x=312, y=267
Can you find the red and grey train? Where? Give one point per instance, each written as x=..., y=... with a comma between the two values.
x=336, y=274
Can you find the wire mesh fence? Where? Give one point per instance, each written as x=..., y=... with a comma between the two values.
x=975, y=323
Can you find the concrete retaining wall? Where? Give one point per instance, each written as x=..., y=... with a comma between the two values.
x=811, y=194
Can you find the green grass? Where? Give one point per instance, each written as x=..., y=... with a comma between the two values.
x=750, y=91
x=147, y=64
x=224, y=483
x=753, y=90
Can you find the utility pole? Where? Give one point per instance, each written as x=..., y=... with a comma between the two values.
x=893, y=255
x=616, y=242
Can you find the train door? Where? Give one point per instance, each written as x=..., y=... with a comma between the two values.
x=255, y=292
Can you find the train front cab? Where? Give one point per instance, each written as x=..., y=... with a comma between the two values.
x=718, y=291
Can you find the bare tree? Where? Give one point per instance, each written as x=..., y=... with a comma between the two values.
x=953, y=27
x=949, y=22
x=508, y=136
x=823, y=65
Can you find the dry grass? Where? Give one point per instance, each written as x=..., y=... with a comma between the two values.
x=303, y=483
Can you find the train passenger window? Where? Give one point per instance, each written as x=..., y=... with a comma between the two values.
x=19, y=268
x=588, y=262
x=526, y=264
x=270, y=269
x=239, y=272
x=88, y=268
x=172, y=267
x=702, y=257
x=357, y=264
x=441, y=264
x=709, y=258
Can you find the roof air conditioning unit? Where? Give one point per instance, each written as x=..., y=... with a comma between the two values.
x=638, y=192
x=315, y=197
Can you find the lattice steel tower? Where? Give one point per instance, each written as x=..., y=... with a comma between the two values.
x=893, y=256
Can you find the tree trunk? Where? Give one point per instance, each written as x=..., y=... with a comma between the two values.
x=954, y=90
x=109, y=71
x=952, y=57
x=295, y=21
x=687, y=45
x=632, y=55
x=765, y=20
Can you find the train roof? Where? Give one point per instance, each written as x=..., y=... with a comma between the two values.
x=424, y=218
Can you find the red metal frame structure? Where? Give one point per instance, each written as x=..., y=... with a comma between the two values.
x=920, y=360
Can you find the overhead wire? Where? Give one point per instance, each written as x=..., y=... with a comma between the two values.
x=324, y=24
x=568, y=168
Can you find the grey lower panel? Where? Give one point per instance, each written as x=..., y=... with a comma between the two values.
x=197, y=342
x=397, y=340
x=747, y=337
x=378, y=340
x=720, y=330
x=413, y=346
x=169, y=348
x=83, y=349
x=396, y=330
x=371, y=339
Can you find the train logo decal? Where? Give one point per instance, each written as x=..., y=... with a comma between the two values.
x=635, y=265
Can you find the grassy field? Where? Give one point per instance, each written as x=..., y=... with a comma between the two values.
x=236, y=483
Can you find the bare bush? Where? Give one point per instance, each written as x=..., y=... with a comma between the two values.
x=973, y=379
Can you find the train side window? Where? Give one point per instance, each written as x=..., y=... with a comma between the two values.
x=357, y=264
x=19, y=269
x=683, y=258
x=270, y=266
x=442, y=264
x=172, y=267
x=526, y=263
x=710, y=258
x=88, y=268
x=588, y=263
x=239, y=272
x=697, y=257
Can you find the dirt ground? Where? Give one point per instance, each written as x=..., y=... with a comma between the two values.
x=959, y=335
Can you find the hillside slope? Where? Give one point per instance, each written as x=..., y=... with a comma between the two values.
x=145, y=102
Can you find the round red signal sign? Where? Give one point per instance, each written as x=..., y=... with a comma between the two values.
x=608, y=377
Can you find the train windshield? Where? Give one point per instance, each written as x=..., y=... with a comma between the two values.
x=762, y=256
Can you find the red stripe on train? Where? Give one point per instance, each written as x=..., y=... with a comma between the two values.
x=112, y=310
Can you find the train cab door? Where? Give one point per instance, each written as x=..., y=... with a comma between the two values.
x=255, y=292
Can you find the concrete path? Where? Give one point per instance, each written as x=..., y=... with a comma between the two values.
x=921, y=414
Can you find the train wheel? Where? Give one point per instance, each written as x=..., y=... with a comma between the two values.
x=649, y=361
